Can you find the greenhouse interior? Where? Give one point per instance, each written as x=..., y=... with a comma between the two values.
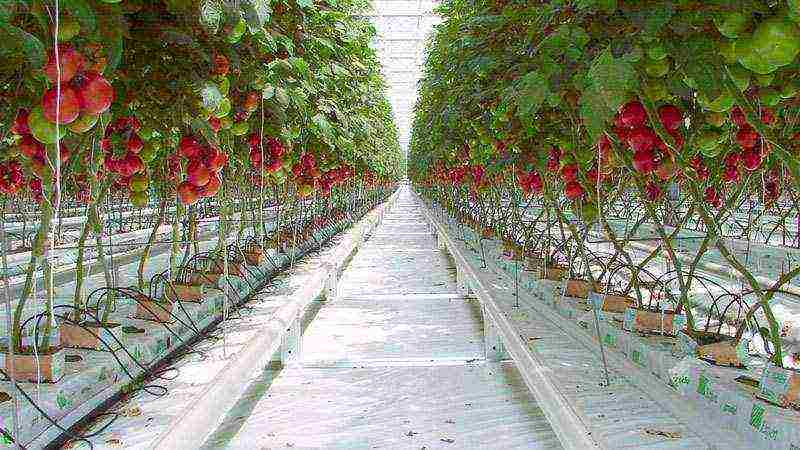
x=400, y=224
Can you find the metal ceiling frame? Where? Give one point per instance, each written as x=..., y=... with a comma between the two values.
x=387, y=45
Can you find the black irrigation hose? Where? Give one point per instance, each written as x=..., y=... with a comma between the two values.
x=53, y=422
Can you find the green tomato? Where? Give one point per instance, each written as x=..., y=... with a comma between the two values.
x=237, y=32
x=655, y=90
x=223, y=84
x=258, y=84
x=741, y=77
x=656, y=69
x=774, y=43
x=732, y=24
x=240, y=128
x=794, y=10
x=566, y=144
x=140, y=199
x=657, y=52
x=42, y=129
x=790, y=89
x=139, y=183
x=589, y=212
x=305, y=190
x=223, y=109
x=83, y=123
x=279, y=176
x=716, y=119
x=146, y=133
x=750, y=59
x=710, y=152
x=149, y=152
x=709, y=139
x=722, y=103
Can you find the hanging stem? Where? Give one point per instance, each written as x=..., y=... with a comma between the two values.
x=92, y=223
x=162, y=209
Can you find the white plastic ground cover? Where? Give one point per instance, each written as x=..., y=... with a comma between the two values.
x=724, y=404
x=206, y=411
x=89, y=383
x=561, y=365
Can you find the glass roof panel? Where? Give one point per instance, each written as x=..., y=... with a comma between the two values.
x=403, y=27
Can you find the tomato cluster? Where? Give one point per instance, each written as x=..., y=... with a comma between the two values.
x=203, y=170
x=77, y=93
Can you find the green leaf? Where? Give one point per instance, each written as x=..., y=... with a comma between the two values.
x=612, y=78
x=266, y=43
x=305, y=3
x=594, y=112
x=172, y=35
x=323, y=126
x=339, y=70
x=82, y=11
x=300, y=66
x=115, y=54
x=651, y=18
x=286, y=43
x=31, y=46
x=8, y=9
x=699, y=60
x=532, y=89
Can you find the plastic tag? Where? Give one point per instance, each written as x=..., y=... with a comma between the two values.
x=742, y=353
x=610, y=337
x=629, y=319
x=678, y=322
x=686, y=344
x=639, y=354
x=774, y=384
x=597, y=301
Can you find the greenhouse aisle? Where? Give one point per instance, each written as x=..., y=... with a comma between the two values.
x=394, y=361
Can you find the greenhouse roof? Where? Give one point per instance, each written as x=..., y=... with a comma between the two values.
x=402, y=26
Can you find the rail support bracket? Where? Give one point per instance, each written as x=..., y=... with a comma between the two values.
x=290, y=344
x=494, y=348
x=331, y=285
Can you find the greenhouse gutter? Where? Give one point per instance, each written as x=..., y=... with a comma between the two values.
x=574, y=430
